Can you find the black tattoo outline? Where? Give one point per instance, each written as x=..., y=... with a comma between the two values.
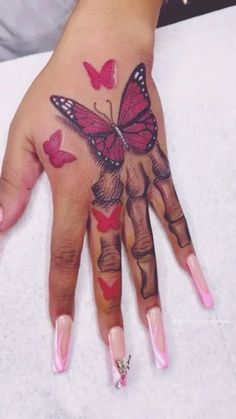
x=107, y=190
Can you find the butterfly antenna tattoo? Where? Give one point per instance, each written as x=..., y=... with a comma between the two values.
x=111, y=113
x=101, y=113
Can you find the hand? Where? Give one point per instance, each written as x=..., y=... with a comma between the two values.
x=93, y=121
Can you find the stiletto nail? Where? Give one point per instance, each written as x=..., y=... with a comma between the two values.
x=62, y=342
x=157, y=334
x=119, y=360
x=199, y=281
x=1, y=215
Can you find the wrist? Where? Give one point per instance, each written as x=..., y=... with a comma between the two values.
x=120, y=12
x=105, y=24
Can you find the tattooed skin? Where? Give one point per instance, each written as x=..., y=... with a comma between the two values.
x=105, y=222
x=107, y=190
x=110, y=291
x=57, y=157
x=109, y=259
x=135, y=130
x=106, y=209
x=143, y=248
x=107, y=194
x=173, y=211
x=107, y=77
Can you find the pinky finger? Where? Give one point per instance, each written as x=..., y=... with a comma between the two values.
x=164, y=200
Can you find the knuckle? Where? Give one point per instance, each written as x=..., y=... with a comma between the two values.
x=63, y=293
x=111, y=314
x=111, y=309
x=9, y=179
x=65, y=258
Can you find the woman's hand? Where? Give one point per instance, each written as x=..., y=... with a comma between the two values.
x=93, y=121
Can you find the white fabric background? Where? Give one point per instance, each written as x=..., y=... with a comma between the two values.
x=195, y=70
x=31, y=26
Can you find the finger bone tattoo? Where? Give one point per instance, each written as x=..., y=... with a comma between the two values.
x=107, y=193
x=107, y=190
x=173, y=211
x=109, y=259
x=143, y=248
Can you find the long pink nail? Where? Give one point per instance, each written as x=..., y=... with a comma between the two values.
x=199, y=281
x=156, y=329
x=62, y=343
x=119, y=360
x=1, y=214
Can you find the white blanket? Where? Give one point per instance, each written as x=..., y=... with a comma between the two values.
x=31, y=26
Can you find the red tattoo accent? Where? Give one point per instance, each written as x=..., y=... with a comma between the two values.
x=107, y=77
x=110, y=291
x=57, y=157
x=108, y=221
x=135, y=130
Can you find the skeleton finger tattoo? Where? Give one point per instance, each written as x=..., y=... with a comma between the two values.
x=173, y=211
x=107, y=210
x=143, y=248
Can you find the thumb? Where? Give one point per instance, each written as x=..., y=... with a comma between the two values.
x=20, y=170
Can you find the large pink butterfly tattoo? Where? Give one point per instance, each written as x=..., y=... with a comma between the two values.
x=135, y=130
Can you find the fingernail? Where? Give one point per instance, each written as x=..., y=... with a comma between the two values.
x=1, y=214
x=199, y=280
x=61, y=354
x=119, y=360
x=157, y=334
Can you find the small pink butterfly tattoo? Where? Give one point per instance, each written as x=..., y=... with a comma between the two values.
x=57, y=157
x=107, y=77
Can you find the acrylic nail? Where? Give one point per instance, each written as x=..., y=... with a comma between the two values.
x=1, y=214
x=119, y=361
x=63, y=329
x=199, y=280
x=157, y=334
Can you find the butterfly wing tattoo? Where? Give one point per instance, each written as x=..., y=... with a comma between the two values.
x=110, y=291
x=104, y=141
x=136, y=120
x=105, y=222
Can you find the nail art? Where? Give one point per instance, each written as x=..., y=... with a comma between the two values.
x=156, y=329
x=119, y=361
x=62, y=343
x=199, y=280
x=1, y=215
